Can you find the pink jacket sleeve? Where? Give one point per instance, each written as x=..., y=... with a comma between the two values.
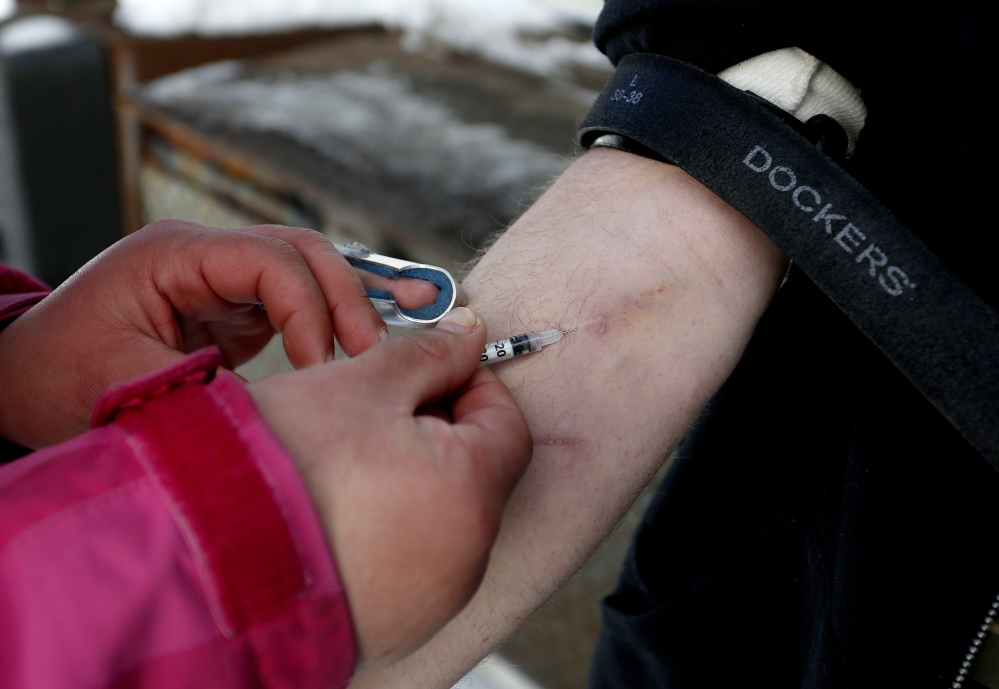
x=173, y=545
x=18, y=293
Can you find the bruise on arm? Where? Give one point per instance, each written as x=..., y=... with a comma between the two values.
x=665, y=283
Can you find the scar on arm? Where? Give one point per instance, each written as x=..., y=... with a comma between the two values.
x=629, y=312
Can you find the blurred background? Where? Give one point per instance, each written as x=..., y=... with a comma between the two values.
x=417, y=127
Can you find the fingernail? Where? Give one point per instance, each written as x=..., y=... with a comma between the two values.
x=460, y=320
x=330, y=355
x=383, y=334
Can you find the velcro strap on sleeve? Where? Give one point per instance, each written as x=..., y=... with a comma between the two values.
x=191, y=443
x=938, y=332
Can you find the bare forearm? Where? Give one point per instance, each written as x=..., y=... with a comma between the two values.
x=665, y=283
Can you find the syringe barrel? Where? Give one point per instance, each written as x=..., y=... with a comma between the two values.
x=518, y=345
x=508, y=348
x=536, y=341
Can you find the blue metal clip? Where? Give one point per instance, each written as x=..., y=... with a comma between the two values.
x=363, y=258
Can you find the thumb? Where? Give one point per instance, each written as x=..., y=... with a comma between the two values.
x=419, y=368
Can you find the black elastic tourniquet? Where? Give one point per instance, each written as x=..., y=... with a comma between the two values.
x=933, y=327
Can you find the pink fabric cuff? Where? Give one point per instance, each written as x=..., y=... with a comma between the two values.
x=18, y=293
x=245, y=512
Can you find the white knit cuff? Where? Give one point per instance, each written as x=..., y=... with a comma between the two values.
x=802, y=85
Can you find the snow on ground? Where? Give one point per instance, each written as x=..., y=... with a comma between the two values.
x=7, y=8
x=519, y=33
x=38, y=32
x=381, y=124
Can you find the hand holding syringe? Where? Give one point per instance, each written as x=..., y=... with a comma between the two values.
x=519, y=345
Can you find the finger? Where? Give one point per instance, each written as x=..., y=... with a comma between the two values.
x=408, y=293
x=207, y=271
x=492, y=428
x=287, y=288
x=355, y=322
x=420, y=368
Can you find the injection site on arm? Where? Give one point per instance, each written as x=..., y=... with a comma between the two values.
x=519, y=345
x=666, y=282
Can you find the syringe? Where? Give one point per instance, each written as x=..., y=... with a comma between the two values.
x=519, y=345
